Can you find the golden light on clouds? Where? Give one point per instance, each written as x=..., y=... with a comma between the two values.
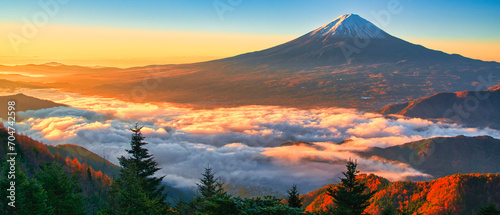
x=262, y=142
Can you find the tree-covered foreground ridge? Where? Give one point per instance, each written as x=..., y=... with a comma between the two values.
x=59, y=180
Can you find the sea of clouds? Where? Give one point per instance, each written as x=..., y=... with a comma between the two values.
x=244, y=145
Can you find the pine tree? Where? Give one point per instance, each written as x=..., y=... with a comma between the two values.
x=210, y=186
x=63, y=192
x=213, y=199
x=489, y=209
x=349, y=196
x=130, y=197
x=143, y=165
x=136, y=191
x=294, y=199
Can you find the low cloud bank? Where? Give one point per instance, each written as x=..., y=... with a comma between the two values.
x=244, y=145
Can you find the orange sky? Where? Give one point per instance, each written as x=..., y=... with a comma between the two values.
x=127, y=47
x=487, y=50
x=118, y=47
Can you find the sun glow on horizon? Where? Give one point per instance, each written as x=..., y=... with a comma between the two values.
x=117, y=47
x=120, y=47
x=485, y=50
x=133, y=33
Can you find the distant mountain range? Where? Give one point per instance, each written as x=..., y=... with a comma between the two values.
x=472, y=108
x=12, y=85
x=443, y=156
x=24, y=103
x=455, y=194
x=348, y=62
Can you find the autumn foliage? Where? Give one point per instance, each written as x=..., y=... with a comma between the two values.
x=455, y=194
x=32, y=153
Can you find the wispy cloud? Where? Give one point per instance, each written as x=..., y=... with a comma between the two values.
x=27, y=74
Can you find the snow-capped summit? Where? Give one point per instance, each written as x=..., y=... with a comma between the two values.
x=348, y=39
x=349, y=26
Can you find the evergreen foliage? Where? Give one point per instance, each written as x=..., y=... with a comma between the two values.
x=294, y=199
x=214, y=200
x=489, y=209
x=136, y=191
x=63, y=193
x=143, y=166
x=209, y=185
x=350, y=196
x=32, y=198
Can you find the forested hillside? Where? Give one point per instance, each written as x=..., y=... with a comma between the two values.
x=53, y=177
x=455, y=194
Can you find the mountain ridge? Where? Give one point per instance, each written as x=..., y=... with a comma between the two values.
x=443, y=156
x=24, y=103
x=471, y=108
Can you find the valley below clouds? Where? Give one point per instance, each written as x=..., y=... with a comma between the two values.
x=259, y=146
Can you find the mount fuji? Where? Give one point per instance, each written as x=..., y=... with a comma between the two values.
x=345, y=40
x=348, y=62
x=349, y=26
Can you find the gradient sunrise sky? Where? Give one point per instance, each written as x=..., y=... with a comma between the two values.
x=135, y=33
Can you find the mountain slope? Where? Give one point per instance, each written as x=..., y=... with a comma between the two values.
x=334, y=65
x=443, y=156
x=455, y=194
x=347, y=39
x=32, y=154
x=318, y=200
x=24, y=103
x=472, y=108
x=85, y=156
